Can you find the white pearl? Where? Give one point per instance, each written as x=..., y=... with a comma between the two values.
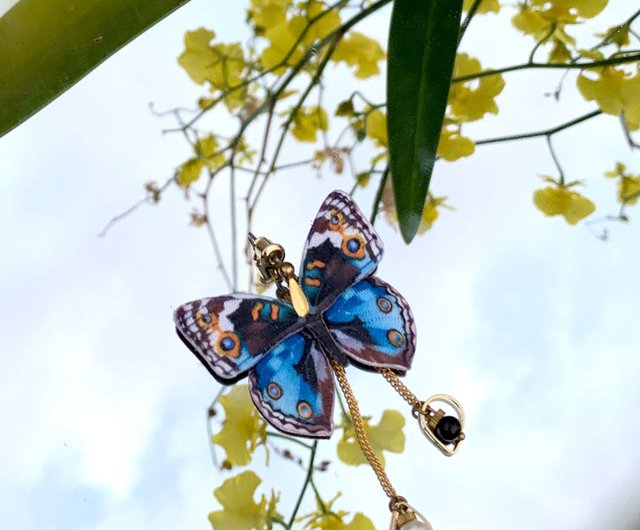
x=415, y=525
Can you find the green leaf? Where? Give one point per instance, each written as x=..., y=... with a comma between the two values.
x=422, y=49
x=48, y=45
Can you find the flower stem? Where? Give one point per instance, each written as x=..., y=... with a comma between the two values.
x=306, y=483
x=378, y=199
x=622, y=59
x=546, y=132
x=274, y=434
x=467, y=20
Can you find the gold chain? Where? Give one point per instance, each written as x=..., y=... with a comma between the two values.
x=361, y=434
x=405, y=393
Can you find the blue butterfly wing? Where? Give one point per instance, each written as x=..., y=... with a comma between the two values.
x=292, y=386
x=341, y=249
x=230, y=334
x=373, y=324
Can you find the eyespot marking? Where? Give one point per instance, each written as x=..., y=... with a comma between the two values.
x=228, y=345
x=274, y=390
x=384, y=304
x=336, y=220
x=206, y=320
x=304, y=410
x=395, y=338
x=354, y=246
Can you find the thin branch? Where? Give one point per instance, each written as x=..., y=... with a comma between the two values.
x=627, y=23
x=470, y=14
x=210, y=414
x=604, y=234
x=331, y=40
x=323, y=506
x=541, y=42
x=627, y=133
x=298, y=66
x=172, y=112
x=323, y=133
x=291, y=165
x=234, y=225
x=555, y=159
x=363, y=98
x=546, y=132
x=250, y=170
x=211, y=232
x=355, y=186
x=275, y=434
x=263, y=148
x=307, y=480
x=622, y=59
x=205, y=203
x=378, y=199
x=149, y=199
x=292, y=114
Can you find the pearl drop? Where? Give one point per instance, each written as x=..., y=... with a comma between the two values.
x=415, y=525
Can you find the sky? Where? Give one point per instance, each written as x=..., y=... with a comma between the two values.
x=528, y=321
x=5, y=5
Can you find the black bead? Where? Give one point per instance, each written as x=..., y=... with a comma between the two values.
x=448, y=429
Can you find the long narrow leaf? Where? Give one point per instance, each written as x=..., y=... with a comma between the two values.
x=48, y=45
x=422, y=49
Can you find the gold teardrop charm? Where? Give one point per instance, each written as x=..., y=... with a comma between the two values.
x=298, y=299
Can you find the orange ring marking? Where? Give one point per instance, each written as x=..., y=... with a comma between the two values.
x=358, y=254
x=233, y=352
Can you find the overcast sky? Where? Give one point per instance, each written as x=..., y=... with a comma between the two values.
x=531, y=323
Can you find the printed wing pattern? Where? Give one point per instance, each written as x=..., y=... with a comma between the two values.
x=230, y=334
x=342, y=248
x=374, y=326
x=293, y=388
x=285, y=356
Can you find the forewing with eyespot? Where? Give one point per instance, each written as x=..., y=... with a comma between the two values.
x=292, y=386
x=373, y=324
x=341, y=249
x=230, y=334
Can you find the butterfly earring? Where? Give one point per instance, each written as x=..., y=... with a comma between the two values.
x=335, y=312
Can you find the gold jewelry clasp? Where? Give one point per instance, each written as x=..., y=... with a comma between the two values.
x=404, y=515
x=269, y=258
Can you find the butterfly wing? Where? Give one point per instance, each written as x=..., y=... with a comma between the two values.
x=373, y=324
x=293, y=388
x=230, y=334
x=342, y=248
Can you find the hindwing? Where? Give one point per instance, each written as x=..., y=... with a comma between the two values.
x=373, y=324
x=293, y=388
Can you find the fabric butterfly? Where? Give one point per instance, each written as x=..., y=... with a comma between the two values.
x=354, y=317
